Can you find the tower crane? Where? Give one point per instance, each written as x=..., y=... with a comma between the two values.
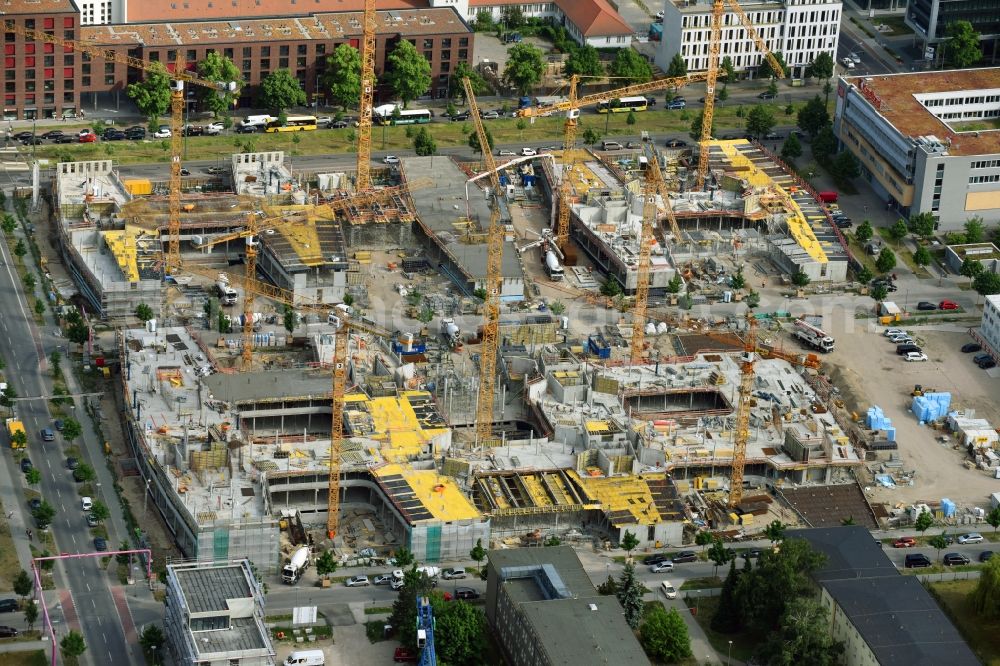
x=425, y=632
x=363, y=179
x=712, y=75
x=493, y=282
x=179, y=77
x=745, y=396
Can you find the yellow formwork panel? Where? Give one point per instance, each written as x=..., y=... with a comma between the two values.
x=396, y=425
x=123, y=249
x=595, y=427
x=623, y=493
x=439, y=494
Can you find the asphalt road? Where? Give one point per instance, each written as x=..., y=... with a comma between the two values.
x=84, y=579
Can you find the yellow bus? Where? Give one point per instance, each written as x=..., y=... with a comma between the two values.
x=624, y=105
x=292, y=124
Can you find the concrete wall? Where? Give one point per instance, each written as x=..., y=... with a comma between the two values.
x=856, y=650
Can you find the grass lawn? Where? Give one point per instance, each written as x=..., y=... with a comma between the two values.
x=701, y=583
x=896, y=23
x=27, y=658
x=10, y=567
x=858, y=250
x=983, y=636
x=902, y=253
x=743, y=643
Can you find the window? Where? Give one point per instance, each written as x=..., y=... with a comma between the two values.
x=320, y=49
x=300, y=62
x=49, y=23
x=445, y=55
x=265, y=63
x=283, y=50
x=85, y=81
x=48, y=84
x=69, y=34
x=68, y=22
x=9, y=73
x=172, y=55
x=9, y=87
x=29, y=74
x=227, y=53
x=29, y=24
x=109, y=80
x=68, y=72
x=446, y=67
x=68, y=97
x=29, y=61
x=49, y=73
x=265, y=51
x=301, y=49
x=68, y=84
x=68, y=60
x=283, y=63
x=191, y=56
x=246, y=65
x=463, y=41
x=446, y=43
x=428, y=56
x=463, y=54
x=49, y=61
x=109, y=68
x=246, y=52
x=428, y=43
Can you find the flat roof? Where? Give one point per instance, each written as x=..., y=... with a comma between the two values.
x=261, y=386
x=892, y=95
x=425, y=495
x=404, y=425
x=37, y=7
x=210, y=589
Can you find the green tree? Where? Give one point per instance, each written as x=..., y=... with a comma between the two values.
x=474, y=141
x=326, y=563
x=760, y=120
x=675, y=284
x=723, y=95
x=279, y=91
x=804, y=636
x=704, y=538
x=30, y=615
x=85, y=473
x=416, y=584
x=938, y=542
x=8, y=224
x=403, y=557
x=407, y=72
x=20, y=249
x=584, y=61
x=664, y=636
x=72, y=644
x=726, y=619
x=987, y=284
x=608, y=587
x=629, y=542
x=923, y=521
x=7, y=397
x=29, y=282
x=886, y=260
x=151, y=95
x=782, y=70
x=971, y=268
x=630, y=596
x=557, y=308
x=100, y=511
x=33, y=476
x=143, y=312
x=591, y=136
x=780, y=576
x=922, y=256
x=863, y=275
x=464, y=71
x=985, y=598
x=772, y=89
x=719, y=554
x=922, y=224
x=630, y=66
x=993, y=518
x=19, y=439
x=24, y=584
x=217, y=67
x=124, y=558
x=459, y=633
x=775, y=531
x=864, y=232
x=845, y=167
x=630, y=118
x=975, y=230
x=289, y=319
x=737, y=282
x=39, y=306
x=423, y=143
x=824, y=145
x=800, y=279
x=695, y=132
x=611, y=288
x=478, y=554
x=962, y=48
x=898, y=230
x=821, y=67
x=152, y=640
x=71, y=430
x=44, y=514
x=343, y=76
x=726, y=70
x=524, y=67
x=483, y=22
x=791, y=149
x=879, y=292
x=678, y=68
x=813, y=117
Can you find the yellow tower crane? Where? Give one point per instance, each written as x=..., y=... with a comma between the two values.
x=179, y=77
x=363, y=179
x=493, y=282
x=745, y=397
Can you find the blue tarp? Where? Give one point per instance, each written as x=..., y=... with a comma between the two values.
x=931, y=406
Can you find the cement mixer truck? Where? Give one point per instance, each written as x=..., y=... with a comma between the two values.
x=292, y=572
x=552, y=266
x=227, y=295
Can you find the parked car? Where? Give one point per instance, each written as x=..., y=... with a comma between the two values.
x=685, y=556
x=915, y=357
x=357, y=581
x=985, y=555
x=100, y=544
x=490, y=115
x=339, y=124
x=916, y=561
x=185, y=172
x=26, y=465
x=192, y=130
x=655, y=559
x=390, y=159
x=114, y=135
x=971, y=537
x=21, y=136
x=767, y=95
x=889, y=332
x=954, y=560
x=87, y=138
x=926, y=305
x=34, y=503
x=86, y=503
x=843, y=222
x=72, y=462
x=676, y=143
x=987, y=364
x=246, y=129
x=971, y=347
x=901, y=340
x=889, y=286
x=449, y=574
x=661, y=567
x=669, y=591
x=466, y=593
x=752, y=554
x=905, y=542
x=214, y=128
x=8, y=632
x=948, y=305
x=92, y=520
x=847, y=62
x=464, y=115
x=772, y=135
x=65, y=138
x=382, y=579
x=676, y=104
x=8, y=605
x=979, y=358
x=32, y=141
x=324, y=121
x=904, y=349
x=47, y=435
x=404, y=656
x=715, y=98
x=163, y=132
x=506, y=153
x=528, y=152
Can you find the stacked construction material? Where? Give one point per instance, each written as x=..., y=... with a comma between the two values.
x=931, y=406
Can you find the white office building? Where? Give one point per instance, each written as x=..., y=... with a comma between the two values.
x=798, y=29
x=989, y=330
x=101, y=12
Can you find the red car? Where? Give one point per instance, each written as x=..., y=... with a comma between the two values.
x=905, y=542
x=948, y=305
x=404, y=656
x=88, y=138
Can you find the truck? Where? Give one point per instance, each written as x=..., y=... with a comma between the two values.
x=450, y=331
x=14, y=426
x=398, y=576
x=552, y=266
x=227, y=295
x=292, y=572
x=813, y=336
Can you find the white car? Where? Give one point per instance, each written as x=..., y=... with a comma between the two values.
x=490, y=115
x=528, y=152
x=668, y=590
x=357, y=581
x=901, y=340
x=915, y=356
x=889, y=332
x=449, y=574
x=214, y=128
x=506, y=153
x=86, y=503
x=324, y=121
x=847, y=62
x=162, y=133
x=971, y=537
x=390, y=159
x=660, y=567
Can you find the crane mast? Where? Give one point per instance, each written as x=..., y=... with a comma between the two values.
x=642, y=278
x=363, y=180
x=743, y=413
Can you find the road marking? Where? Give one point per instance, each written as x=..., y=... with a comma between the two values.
x=105, y=636
x=94, y=604
x=59, y=493
x=88, y=587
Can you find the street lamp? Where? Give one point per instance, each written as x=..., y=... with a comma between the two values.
x=729, y=659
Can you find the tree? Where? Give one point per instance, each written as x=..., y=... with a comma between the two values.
x=524, y=67
x=772, y=89
x=864, y=232
x=463, y=71
x=591, y=136
x=863, y=275
x=478, y=553
x=630, y=596
x=791, y=149
x=760, y=120
x=30, y=615
x=152, y=639
x=974, y=229
x=124, y=558
x=678, y=68
x=987, y=284
x=289, y=319
x=737, y=282
x=280, y=90
x=143, y=312
x=29, y=282
x=151, y=95
x=7, y=397
x=557, y=308
x=403, y=557
x=611, y=288
x=993, y=518
x=474, y=141
x=217, y=67
x=664, y=636
x=44, y=514
x=803, y=637
x=845, y=167
x=19, y=438
x=39, y=306
x=20, y=249
x=629, y=542
x=923, y=521
x=824, y=145
x=72, y=644
x=423, y=143
x=608, y=587
x=753, y=299
x=938, y=542
x=343, y=75
x=723, y=95
x=71, y=429
x=813, y=117
x=630, y=66
x=775, y=531
x=630, y=118
x=782, y=71
x=727, y=614
x=922, y=224
x=726, y=70
x=675, y=284
x=8, y=224
x=821, y=67
x=971, y=268
x=459, y=633
x=898, y=230
x=780, y=576
x=326, y=563
x=695, y=132
x=719, y=554
x=416, y=584
x=407, y=72
x=23, y=584
x=584, y=61
x=33, y=476
x=886, y=260
x=800, y=279
x=85, y=473
x=100, y=511
x=922, y=256
x=512, y=17
x=879, y=292
x=704, y=538
x=963, y=48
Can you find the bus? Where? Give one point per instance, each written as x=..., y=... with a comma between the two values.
x=624, y=105
x=408, y=117
x=292, y=124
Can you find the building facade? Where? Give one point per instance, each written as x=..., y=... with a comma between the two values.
x=921, y=144
x=989, y=330
x=798, y=29
x=929, y=20
x=592, y=22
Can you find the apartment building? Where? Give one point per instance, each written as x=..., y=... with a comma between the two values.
x=930, y=19
x=926, y=141
x=989, y=330
x=798, y=29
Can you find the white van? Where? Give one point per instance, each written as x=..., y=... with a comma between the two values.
x=610, y=145
x=305, y=658
x=256, y=121
x=86, y=503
